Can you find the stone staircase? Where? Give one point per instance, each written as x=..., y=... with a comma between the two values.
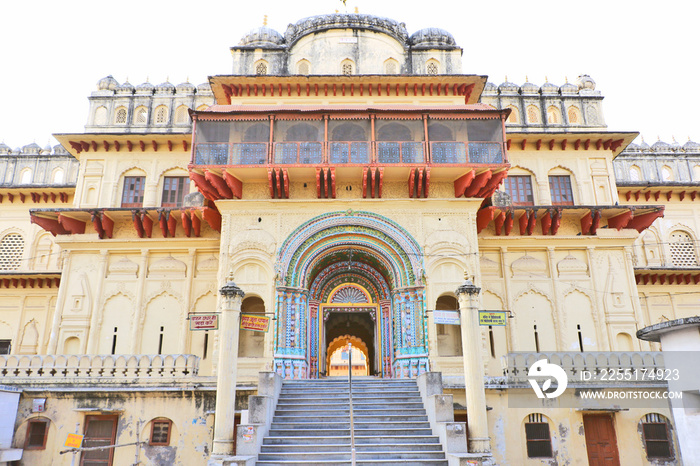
x=312, y=425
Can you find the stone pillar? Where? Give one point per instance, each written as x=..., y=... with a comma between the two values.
x=224, y=434
x=479, y=441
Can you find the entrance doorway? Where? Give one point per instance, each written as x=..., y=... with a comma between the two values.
x=601, y=442
x=356, y=327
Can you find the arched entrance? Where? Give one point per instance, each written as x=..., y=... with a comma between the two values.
x=350, y=273
x=337, y=361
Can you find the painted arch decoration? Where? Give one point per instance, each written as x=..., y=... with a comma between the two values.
x=361, y=264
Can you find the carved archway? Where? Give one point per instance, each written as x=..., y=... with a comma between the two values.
x=342, y=341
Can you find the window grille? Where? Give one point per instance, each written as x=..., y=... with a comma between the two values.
x=655, y=436
x=161, y=115
x=519, y=188
x=120, y=117
x=432, y=68
x=181, y=117
x=553, y=115
x=37, y=430
x=391, y=67
x=560, y=190
x=682, y=250
x=304, y=68
x=141, y=116
x=533, y=114
x=261, y=68
x=539, y=442
x=133, y=191
x=11, y=251
x=346, y=68
x=573, y=115
x=175, y=188
x=160, y=432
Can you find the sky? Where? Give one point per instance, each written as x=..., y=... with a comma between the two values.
x=640, y=53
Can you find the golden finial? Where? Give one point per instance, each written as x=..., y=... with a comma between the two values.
x=230, y=276
x=336, y=12
x=658, y=138
x=265, y=20
x=566, y=79
x=466, y=274
x=526, y=79
x=673, y=138
x=546, y=79
x=506, y=78
x=357, y=10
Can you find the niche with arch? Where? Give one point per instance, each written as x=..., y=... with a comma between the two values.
x=251, y=344
x=449, y=337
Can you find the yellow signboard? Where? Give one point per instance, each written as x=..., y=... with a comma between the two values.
x=495, y=318
x=74, y=441
x=255, y=323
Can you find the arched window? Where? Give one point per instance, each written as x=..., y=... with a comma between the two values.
x=449, y=337
x=261, y=68
x=58, y=176
x=635, y=173
x=160, y=432
x=440, y=132
x=394, y=132
x=25, y=177
x=120, y=116
x=666, y=174
x=11, y=251
x=100, y=116
x=656, y=437
x=432, y=67
x=303, y=67
x=347, y=67
x=258, y=132
x=250, y=343
x=181, y=116
x=537, y=436
x=391, y=66
x=514, y=116
x=682, y=249
x=552, y=115
x=302, y=132
x=161, y=115
x=140, y=116
x=574, y=115
x=348, y=132
x=533, y=114
x=202, y=107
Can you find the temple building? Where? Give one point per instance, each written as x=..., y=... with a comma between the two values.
x=349, y=183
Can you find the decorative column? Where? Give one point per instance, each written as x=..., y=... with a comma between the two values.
x=479, y=441
x=224, y=433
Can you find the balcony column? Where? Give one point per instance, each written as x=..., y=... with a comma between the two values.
x=479, y=441
x=224, y=433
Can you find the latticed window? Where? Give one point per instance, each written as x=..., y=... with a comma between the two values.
x=431, y=68
x=133, y=191
x=181, y=115
x=175, y=188
x=346, y=68
x=539, y=442
x=390, y=67
x=140, y=116
x=553, y=115
x=682, y=250
x=533, y=114
x=161, y=115
x=160, y=432
x=560, y=190
x=11, y=250
x=573, y=114
x=519, y=188
x=304, y=68
x=120, y=116
x=655, y=434
x=261, y=68
x=513, y=117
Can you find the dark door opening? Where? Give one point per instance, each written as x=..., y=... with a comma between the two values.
x=356, y=324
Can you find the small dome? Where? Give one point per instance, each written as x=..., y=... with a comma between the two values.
x=584, y=81
x=633, y=147
x=165, y=88
x=569, y=88
x=675, y=145
x=4, y=148
x=185, y=88
x=46, y=149
x=204, y=88
x=490, y=88
x=660, y=146
x=508, y=87
x=529, y=88
x=643, y=145
x=432, y=37
x=549, y=88
x=31, y=149
x=145, y=88
x=125, y=88
x=107, y=83
x=689, y=146
x=60, y=150
x=262, y=36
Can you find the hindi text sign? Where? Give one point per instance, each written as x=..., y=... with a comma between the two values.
x=495, y=318
x=446, y=317
x=255, y=323
x=73, y=441
x=204, y=322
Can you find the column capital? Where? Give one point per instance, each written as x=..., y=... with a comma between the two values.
x=231, y=290
x=469, y=288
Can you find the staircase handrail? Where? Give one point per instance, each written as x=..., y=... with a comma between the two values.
x=352, y=418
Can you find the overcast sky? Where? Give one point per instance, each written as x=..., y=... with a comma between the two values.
x=641, y=54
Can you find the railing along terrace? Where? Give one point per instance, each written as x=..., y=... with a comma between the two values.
x=57, y=368
x=352, y=141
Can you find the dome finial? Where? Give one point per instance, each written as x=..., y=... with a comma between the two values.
x=357, y=10
x=506, y=78
x=526, y=79
x=673, y=138
x=545, y=79
x=265, y=20
x=566, y=79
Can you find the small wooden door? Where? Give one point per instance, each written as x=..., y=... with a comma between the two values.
x=100, y=431
x=601, y=442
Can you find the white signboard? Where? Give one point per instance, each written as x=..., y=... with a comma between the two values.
x=446, y=317
x=348, y=40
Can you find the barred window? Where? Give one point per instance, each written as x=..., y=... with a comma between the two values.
x=682, y=249
x=519, y=188
x=655, y=434
x=120, y=116
x=432, y=68
x=161, y=115
x=560, y=190
x=11, y=251
x=539, y=442
x=160, y=432
x=175, y=188
x=261, y=68
x=37, y=430
x=635, y=173
x=133, y=191
x=346, y=68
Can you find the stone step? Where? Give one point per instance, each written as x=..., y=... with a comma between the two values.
x=388, y=462
x=382, y=431
x=359, y=404
x=359, y=440
x=303, y=417
x=345, y=447
x=330, y=455
x=378, y=399
x=345, y=411
x=359, y=426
